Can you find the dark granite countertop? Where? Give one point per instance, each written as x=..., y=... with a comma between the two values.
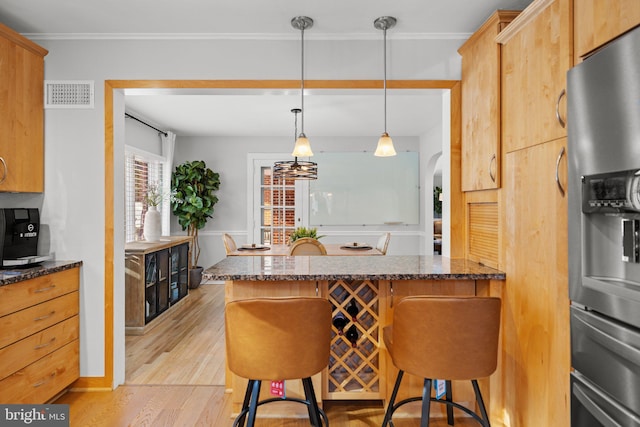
x=401, y=267
x=14, y=275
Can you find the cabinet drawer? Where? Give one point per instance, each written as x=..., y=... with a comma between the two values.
x=30, y=349
x=42, y=380
x=26, y=322
x=24, y=294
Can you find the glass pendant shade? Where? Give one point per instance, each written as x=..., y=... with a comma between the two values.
x=385, y=146
x=302, y=147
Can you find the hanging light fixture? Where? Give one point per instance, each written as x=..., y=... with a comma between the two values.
x=302, y=147
x=295, y=169
x=385, y=143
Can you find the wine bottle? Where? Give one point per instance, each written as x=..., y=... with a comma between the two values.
x=339, y=321
x=353, y=310
x=352, y=336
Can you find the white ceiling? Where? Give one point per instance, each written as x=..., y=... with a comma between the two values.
x=229, y=113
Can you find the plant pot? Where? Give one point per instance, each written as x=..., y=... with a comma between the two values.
x=195, y=277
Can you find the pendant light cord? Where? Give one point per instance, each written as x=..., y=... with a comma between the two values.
x=302, y=82
x=385, y=78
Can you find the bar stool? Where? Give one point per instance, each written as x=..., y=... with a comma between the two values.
x=278, y=339
x=449, y=338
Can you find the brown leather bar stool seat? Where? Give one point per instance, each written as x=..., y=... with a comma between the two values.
x=278, y=339
x=446, y=338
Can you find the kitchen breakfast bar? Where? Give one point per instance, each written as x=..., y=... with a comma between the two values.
x=364, y=289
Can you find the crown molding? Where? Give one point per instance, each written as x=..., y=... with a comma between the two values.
x=241, y=36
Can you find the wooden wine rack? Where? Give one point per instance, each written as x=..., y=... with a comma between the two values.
x=354, y=372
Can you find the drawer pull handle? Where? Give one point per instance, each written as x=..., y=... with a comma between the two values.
x=558, y=173
x=46, y=316
x=492, y=161
x=47, y=344
x=558, y=116
x=48, y=288
x=45, y=380
x=4, y=170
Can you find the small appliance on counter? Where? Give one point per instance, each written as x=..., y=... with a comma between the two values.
x=19, y=231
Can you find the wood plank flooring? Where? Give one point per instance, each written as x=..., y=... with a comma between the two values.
x=185, y=349
x=175, y=377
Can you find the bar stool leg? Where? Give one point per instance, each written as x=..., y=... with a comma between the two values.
x=314, y=410
x=392, y=401
x=449, y=398
x=483, y=409
x=245, y=405
x=426, y=403
x=253, y=405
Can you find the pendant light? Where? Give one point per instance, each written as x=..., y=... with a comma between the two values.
x=385, y=143
x=295, y=169
x=302, y=147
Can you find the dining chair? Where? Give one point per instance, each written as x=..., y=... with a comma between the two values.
x=307, y=246
x=286, y=338
x=383, y=243
x=448, y=338
x=229, y=243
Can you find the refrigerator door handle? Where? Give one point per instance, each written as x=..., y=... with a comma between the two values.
x=599, y=334
x=593, y=407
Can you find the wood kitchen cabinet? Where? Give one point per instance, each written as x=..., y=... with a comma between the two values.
x=21, y=113
x=39, y=345
x=157, y=279
x=535, y=325
x=597, y=22
x=481, y=56
x=536, y=56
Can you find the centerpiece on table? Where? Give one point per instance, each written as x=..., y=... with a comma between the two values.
x=301, y=232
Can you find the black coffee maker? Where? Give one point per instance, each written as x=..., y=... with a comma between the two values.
x=19, y=231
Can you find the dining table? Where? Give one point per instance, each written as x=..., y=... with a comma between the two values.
x=333, y=249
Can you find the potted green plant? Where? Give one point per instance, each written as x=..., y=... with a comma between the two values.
x=304, y=232
x=192, y=186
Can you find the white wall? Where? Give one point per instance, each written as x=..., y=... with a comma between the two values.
x=73, y=205
x=228, y=157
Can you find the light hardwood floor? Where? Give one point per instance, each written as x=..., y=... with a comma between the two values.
x=175, y=377
x=185, y=349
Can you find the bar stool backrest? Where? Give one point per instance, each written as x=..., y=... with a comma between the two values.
x=278, y=338
x=453, y=338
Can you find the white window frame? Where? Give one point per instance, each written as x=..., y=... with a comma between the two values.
x=164, y=207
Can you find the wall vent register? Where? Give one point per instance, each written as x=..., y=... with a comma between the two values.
x=68, y=93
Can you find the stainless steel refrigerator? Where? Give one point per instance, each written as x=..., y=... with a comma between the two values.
x=604, y=235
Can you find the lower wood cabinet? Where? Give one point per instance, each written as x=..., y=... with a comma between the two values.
x=39, y=344
x=157, y=278
x=364, y=371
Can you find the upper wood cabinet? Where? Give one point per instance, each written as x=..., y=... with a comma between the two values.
x=597, y=22
x=21, y=113
x=536, y=56
x=481, y=104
